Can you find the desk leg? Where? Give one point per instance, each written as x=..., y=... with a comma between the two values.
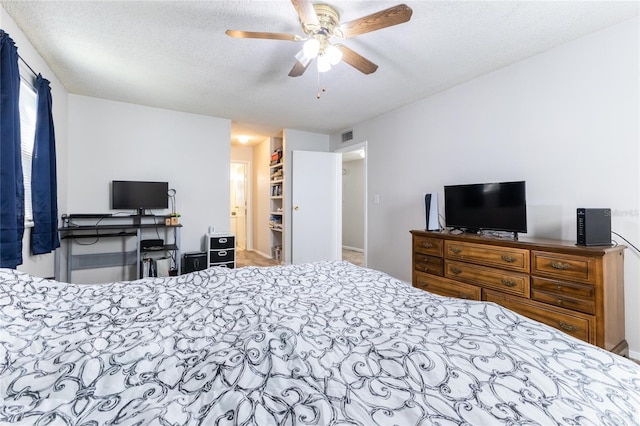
x=178, y=259
x=56, y=264
x=138, y=260
x=69, y=250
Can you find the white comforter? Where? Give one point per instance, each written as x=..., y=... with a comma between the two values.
x=314, y=344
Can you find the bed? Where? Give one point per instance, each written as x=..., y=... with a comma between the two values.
x=324, y=343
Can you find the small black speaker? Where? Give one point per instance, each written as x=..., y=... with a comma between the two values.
x=593, y=227
x=196, y=261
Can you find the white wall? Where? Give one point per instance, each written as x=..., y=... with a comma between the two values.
x=566, y=121
x=43, y=265
x=353, y=204
x=119, y=141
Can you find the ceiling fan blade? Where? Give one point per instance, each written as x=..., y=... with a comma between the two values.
x=298, y=69
x=376, y=21
x=357, y=61
x=302, y=62
x=264, y=35
x=306, y=12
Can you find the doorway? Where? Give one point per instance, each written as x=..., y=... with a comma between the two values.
x=239, y=194
x=354, y=203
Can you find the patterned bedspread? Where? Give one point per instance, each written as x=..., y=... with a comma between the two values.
x=314, y=344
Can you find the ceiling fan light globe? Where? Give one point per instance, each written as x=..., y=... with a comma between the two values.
x=324, y=64
x=311, y=48
x=334, y=54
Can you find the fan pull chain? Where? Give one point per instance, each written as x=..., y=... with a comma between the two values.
x=323, y=87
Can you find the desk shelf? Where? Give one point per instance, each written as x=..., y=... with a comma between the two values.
x=167, y=247
x=76, y=227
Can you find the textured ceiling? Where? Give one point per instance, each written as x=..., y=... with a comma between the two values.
x=175, y=54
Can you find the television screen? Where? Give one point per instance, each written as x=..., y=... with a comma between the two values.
x=497, y=206
x=127, y=194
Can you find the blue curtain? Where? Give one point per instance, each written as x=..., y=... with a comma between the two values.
x=44, y=195
x=11, y=182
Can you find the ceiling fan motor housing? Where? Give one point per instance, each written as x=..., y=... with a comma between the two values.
x=329, y=24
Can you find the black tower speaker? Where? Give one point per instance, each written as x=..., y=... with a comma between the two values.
x=593, y=227
x=431, y=212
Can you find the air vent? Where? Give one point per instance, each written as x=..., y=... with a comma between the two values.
x=347, y=136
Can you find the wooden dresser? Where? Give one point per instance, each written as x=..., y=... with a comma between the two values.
x=579, y=290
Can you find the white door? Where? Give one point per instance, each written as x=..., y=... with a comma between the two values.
x=238, y=205
x=316, y=209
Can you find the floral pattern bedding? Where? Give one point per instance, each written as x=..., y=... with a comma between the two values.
x=324, y=343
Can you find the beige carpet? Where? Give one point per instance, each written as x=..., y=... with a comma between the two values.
x=251, y=258
x=355, y=257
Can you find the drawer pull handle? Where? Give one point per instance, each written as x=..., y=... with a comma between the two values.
x=568, y=327
x=508, y=259
x=222, y=253
x=456, y=250
x=464, y=296
x=560, y=266
x=456, y=270
x=427, y=245
x=222, y=240
x=559, y=301
x=508, y=283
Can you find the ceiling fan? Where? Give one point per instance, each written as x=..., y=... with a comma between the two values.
x=321, y=25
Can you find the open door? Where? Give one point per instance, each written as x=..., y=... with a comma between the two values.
x=316, y=208
x=238, y=203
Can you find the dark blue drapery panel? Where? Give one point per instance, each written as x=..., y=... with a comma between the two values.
x=44, y=194
x=11, y=182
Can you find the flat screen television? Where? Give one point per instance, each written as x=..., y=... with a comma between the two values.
x=139, y=195
x=499, y=206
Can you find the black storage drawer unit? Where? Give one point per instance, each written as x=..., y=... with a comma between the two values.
x=221, y=250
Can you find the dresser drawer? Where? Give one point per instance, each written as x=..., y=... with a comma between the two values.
x=428, y=245
x=514, y=259
x=219, y=256
x=222, y=242
x=482, y=276
x=580, y=297
x=446, y=287
x=564, y=266
x=229, y=265
x=576, y=324
x=429, y=264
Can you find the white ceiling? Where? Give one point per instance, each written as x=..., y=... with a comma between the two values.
x=175, y=54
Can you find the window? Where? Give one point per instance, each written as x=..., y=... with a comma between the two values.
x=28, y=112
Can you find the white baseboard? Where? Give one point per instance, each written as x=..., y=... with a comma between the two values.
x=353, y=249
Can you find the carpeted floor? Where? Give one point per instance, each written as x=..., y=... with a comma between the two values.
x=251, y=258
x=355, y=257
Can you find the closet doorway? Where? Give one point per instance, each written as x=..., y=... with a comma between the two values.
x=354, y=204
x=238, y=202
